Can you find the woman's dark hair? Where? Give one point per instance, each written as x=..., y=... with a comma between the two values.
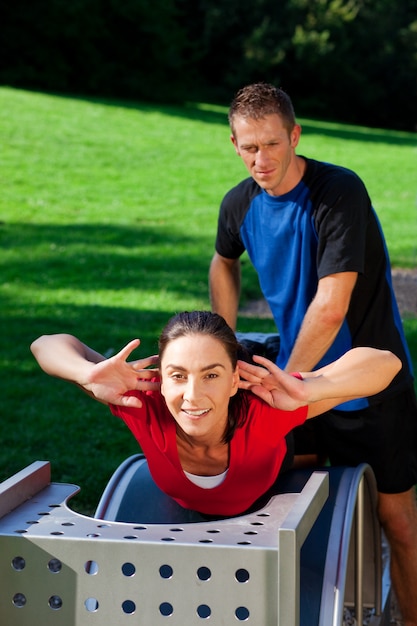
x=207, y=323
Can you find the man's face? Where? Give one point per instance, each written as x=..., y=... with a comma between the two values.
x=268, y=151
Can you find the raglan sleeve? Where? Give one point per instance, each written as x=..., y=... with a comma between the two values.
x=232, y=211
x=274, y=424
x=342, y=217
x=136, y=418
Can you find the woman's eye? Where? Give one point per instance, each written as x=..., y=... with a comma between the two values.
x=212, y=375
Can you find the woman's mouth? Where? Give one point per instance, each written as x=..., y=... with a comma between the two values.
x=195, y=412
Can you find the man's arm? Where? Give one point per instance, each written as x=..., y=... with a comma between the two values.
x=224, y=279
x=322, y=321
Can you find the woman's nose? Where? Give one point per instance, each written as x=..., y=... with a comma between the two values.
x=191, y=390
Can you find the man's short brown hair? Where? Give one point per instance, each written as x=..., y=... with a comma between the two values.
x=259, y=100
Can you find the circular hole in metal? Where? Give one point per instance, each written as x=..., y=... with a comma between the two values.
x=242, y=575
x=176, y=530
x=256, y=523
x=130, y=537
x=92, y=535
x=55, y=602
x=251, y=532
x=166, y=609
x=32, y=521
x=203, y=611
x=128, y=569
x=91, y=567
x=244, y=543
x=129, y=607
x=167, y=539
x=139, y=528
x=54, y=566
x=68, y=524
x=166, y=571
x=57, y=532
x=20, y=531
x=263, y=515
x=54, y=506
x=19, y=600
x=103, y=525
x=242, y=613
x=44, y=513
x=91, y=604
x=213, y=531
x=18, y=563
x=204, y=573
x=205, y=541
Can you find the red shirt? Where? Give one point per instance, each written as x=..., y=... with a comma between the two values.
x=257, y=450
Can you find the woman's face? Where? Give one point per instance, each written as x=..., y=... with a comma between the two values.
x=197, y=381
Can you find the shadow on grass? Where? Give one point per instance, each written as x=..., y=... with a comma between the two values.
x=93, y=257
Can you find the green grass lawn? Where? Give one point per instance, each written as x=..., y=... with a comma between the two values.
x=108, y=215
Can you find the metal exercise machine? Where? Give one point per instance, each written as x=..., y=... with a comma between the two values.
x=312, y=548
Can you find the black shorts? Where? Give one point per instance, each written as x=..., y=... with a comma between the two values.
x=383, y=435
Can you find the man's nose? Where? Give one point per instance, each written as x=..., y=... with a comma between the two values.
x=261, y=156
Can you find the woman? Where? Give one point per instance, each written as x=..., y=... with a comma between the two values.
x=212, y=427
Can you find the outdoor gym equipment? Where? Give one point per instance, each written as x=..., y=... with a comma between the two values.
x=313, y=548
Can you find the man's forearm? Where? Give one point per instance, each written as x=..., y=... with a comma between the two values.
x=322, y=321
x=224, y=280
x=313, y=341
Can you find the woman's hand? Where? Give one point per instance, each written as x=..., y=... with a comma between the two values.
x=111, y=380
x=358, y=373
x=279, y=389
x=107, y=380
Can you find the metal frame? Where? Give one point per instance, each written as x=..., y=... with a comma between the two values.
x=355, y=574
x=61, y=568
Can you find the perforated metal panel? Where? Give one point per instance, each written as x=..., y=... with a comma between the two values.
x=58, y=567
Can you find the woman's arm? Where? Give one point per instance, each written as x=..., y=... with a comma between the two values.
x=359, y=373
x=65, y=356
x=106, y=380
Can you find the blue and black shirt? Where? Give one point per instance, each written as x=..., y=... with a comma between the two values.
x=325, y=225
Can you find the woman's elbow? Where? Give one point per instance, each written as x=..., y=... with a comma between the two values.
x=395, y=363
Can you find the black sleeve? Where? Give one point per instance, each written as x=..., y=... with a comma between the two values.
x=343, y=210
x=233, y=209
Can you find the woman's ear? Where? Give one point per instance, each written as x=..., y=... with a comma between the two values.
x=235, y=382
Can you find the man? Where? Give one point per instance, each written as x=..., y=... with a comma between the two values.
x=314, y=239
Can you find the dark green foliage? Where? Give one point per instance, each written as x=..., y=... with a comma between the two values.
x=348, y=60
x=128, y=49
